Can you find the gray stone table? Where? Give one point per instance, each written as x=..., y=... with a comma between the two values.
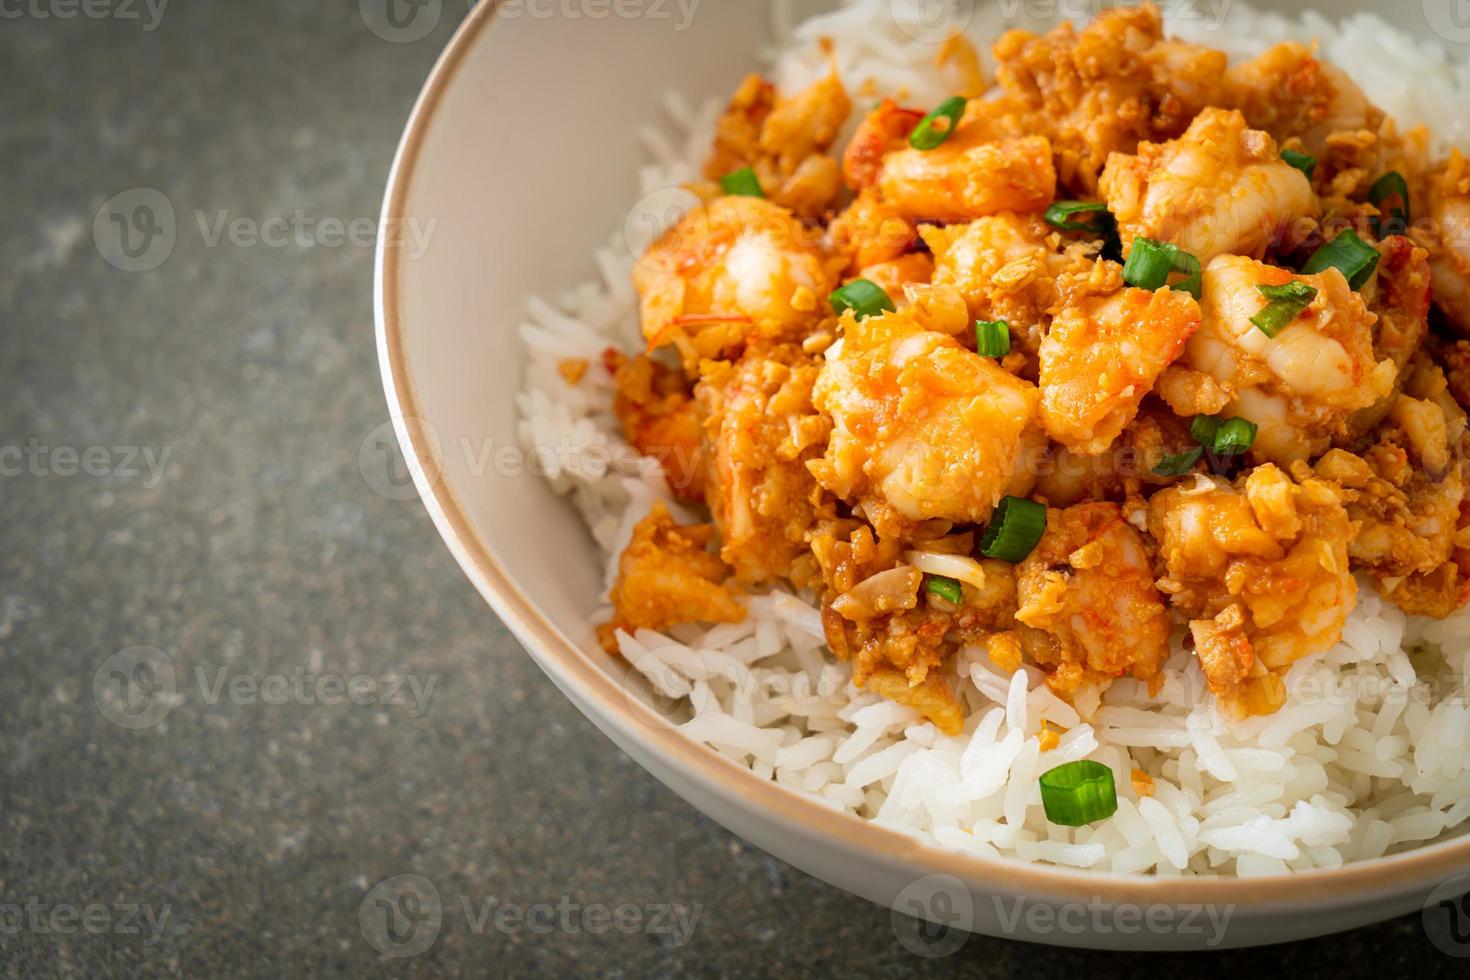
x=182, y=494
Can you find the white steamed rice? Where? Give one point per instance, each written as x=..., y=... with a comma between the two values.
x=1368, y=757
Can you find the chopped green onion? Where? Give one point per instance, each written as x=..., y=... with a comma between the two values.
x=1151, y=262
x=1234, y=437
x=1348, y=254
x=1287, y=303
x=742, y=183
x=1178, y=464
x=992, y=338
x=1078, y=793
x=944, y=587
x=1304, y=162
x=1014, y=529
x=1202, y=430
x=925, y=136
x=1059, y=216
x=1386, y=188
x=864, y=297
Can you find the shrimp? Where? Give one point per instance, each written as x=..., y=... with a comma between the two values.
x=1006, y=266
x=868, y=231
x=1398, y=294
x=1105, y=349
x=1301, y=386
x=784, y=140
x=1407, y=493
x=969, y=176
x=1449, y=208
x=1218, y=189
x=1290, y=94
x=1089, y=587
x=1100, y=90
x=761, y=430
x=894, y=275
x=1068, y=477
x=737, y=268
x=1260, y=568
x=921, y=423
x=666, y=577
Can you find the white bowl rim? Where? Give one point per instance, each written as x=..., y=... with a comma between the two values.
x=570, y=667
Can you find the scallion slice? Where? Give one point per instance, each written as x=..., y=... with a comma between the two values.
x=1304, y=162
x=992, y=338
x=1388, y=188
x=1288, y=300
x=1234, y=437
x=1014, y=529
x=1150, y=263
x=1078, y=793
x=1202, y=430
x=742, y=183
x=926, y=136
x=944, y=587
x=864, y=297
x=1178, y=464
x=1348, y=254
x=1059, y=216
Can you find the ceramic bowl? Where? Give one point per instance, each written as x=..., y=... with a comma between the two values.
x=521, y=155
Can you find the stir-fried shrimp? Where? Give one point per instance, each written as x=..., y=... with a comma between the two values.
x=1089, y=588
x=1006, y=266
x=1449, y=197
x=868, y=231
x=1398, y=295
x=1101, y=90
x=1301, y=385
x=666, y=575
x=969, y=176
x=761, y=431
x=785, y=141
x=1260, y=567
x=1407, y=493
x=739, y=267
x=1292, y=95
x=1219, y=189
x=1105, y=349
x=854, y=380
x=923, y=424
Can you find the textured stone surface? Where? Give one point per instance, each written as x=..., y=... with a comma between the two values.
x=257, y=550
